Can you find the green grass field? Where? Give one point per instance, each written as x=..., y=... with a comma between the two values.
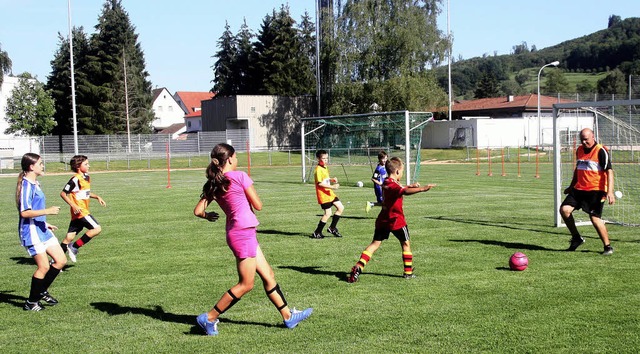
x=139, y=285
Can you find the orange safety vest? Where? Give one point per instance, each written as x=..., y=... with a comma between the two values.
x=589, y=172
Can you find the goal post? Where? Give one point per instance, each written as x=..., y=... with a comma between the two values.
x=616, y=125
x=356, y=139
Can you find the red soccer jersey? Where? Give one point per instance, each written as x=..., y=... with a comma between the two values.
x=391, y=216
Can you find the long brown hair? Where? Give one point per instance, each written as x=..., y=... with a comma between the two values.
x=27, y=161
x=217, y=184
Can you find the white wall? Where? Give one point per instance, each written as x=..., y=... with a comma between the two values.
x=501, y=132
x=193, y=124
x=8, y=85
x=166, y=110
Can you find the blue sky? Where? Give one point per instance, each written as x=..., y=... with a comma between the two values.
x=180, y=38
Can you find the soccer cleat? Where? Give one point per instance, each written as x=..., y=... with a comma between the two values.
x=73, y=252
x=355, y=274
x=210, y=328
x=46, y=297
x=409, y=276
x=575, y=243
x=608, y=250
x=334, y=232
x=317, y=235
x=297, y=317
x=367, y=207
x=33, y=306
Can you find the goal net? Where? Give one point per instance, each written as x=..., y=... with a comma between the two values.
x=616, y=125
x=357, y=139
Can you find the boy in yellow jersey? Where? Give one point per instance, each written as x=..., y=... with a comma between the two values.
x=77, y=193
x=325, y=186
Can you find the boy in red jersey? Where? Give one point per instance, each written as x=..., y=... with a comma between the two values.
x=77, y=193
x=326, y=197
x=391, y=219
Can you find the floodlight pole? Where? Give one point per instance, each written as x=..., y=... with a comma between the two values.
x=450, y=50
x=555, y=63
x=73, y=83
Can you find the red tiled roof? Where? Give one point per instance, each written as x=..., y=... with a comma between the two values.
x=193, y=100
x=525, y=103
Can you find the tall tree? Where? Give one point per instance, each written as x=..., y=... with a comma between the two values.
x=223, y=68
x=30, y=108
x=487, y=87
x=5, y=64
x=114, y=45
x=307, y=56
x=614, y=83
x=59, y=83
x=278, y=50
x=379, y=40
x=243, y=66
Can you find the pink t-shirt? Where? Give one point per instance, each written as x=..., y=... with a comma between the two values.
x=235, y=204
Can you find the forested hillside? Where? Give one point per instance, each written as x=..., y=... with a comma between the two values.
x=600, y=62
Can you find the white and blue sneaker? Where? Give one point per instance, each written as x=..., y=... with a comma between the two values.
x=73, y=252
x=211, y=328
x=297, y=317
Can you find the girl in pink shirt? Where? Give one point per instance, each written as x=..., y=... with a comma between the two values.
x=235, y=194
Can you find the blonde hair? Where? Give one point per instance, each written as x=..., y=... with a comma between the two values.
x=28, y=160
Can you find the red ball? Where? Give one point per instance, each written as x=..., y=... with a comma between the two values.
x=518, y=261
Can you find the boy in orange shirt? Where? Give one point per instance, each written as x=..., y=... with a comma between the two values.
x=326, y=197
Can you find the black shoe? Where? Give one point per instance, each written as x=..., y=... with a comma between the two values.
x=355, y=274
x=608, y=250
x=317, y=235
x=46, y=297
x=575, y=243
x=33, y=306
x=409, y=276
x=334, y=232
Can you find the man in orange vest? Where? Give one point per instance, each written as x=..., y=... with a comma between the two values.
x=591, y=186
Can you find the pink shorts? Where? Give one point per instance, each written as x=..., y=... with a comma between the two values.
x=243, y=242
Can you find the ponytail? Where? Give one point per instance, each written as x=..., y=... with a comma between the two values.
x=217, y=183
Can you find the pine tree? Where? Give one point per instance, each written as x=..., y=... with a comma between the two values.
x=307, y=57
x=59, y=83
x=244, y=66
x=223, y=68
x=114, y=43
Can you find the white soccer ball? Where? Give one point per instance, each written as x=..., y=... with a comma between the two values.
x=359, y=184
x=618, y=194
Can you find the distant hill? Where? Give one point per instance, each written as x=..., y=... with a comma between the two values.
x=610, y=55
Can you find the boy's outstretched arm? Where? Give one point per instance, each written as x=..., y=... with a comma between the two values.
x=416, y=188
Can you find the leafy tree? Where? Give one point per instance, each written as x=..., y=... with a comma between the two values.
x=224, y=67
x=614, y=20
x=522, y=77
x=59, y=83
x=5, y=63
x=585, y=86
x=614, y=83
x=520, y=48
x=30, y=108
x=555, y=82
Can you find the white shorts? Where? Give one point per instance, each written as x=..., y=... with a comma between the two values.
x=41, y=247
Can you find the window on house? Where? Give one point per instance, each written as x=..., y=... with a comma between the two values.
x=188, y=124
x=159, y=108
x=170, y=108
x=253, y=109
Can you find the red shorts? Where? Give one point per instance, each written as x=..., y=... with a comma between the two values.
x=243, y=242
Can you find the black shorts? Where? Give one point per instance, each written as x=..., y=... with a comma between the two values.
x=328, y=205
x=88, y=222
x=591, y=202
x=401, y=234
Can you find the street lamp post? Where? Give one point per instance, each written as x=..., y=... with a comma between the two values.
x=555, y=63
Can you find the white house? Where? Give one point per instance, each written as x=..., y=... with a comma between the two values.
x=167, y=111
x=11, y=146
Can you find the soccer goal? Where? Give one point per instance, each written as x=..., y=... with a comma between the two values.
x=357, y=139
x=616, y=125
